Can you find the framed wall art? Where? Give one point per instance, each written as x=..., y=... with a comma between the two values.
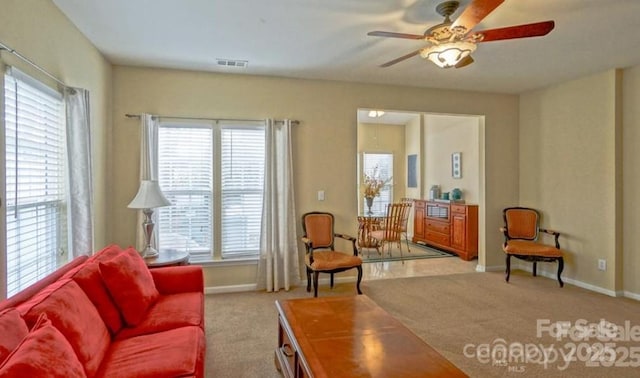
x=456, y=165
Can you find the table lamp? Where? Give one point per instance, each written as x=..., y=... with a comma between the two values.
x=149, y=196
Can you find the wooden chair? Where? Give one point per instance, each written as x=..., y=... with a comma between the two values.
x=405, y=220
x=321, y=257
x=521, y=228
x=391, y=228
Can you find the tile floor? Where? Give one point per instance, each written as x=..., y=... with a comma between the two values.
x=417, y=268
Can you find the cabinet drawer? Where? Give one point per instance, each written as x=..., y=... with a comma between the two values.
x=437, y=227
x=419, y=204
x=460, y=209
x=438, y=238
x=287, y=352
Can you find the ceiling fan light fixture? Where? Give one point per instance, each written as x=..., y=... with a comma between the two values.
x=447, y=55
x=375, y=113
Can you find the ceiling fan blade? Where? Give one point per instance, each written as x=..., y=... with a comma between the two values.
x=395, y=35
x=520, y=31
x=400, y=59
x=464, y=62
x=475, y=12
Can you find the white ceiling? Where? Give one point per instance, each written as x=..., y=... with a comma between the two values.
x=327, y=39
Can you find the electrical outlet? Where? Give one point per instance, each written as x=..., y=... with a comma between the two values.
x=602, y=264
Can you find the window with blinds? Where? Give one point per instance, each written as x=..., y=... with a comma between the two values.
x=380, y=166
x=213, y=175
x=35, y=175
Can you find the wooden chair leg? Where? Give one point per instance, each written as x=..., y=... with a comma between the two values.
x=315, y=283
x=308, y=280
x=535, y=268
x=560, y=269
x=359, y=279
x=508, y=271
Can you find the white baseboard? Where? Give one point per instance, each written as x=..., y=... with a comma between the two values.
x=495, y=268
x=230, y=289
x=631, y=295
x=584, y=285
x=479, y=268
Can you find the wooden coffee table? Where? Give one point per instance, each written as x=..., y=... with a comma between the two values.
x=351, y=337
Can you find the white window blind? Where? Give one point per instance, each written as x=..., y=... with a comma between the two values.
x=186, y=179
x=379, y=166
x=213, y=175
x=35, y=174
x=241, y=181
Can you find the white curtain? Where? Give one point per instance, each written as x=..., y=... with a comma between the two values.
x=80, y=201
x=148, y=169
x=278, y=265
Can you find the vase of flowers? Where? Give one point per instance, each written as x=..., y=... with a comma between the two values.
x=371, y=186
x=369, y=204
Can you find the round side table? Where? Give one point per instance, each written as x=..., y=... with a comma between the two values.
x=168, y=258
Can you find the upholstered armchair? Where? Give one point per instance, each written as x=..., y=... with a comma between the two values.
x=521, y=230
x=321, y=257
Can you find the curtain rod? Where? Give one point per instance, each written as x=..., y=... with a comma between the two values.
x=293, y=122
x=31, y=63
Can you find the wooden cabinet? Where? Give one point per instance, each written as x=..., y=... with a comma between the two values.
x=418, y=220
x=449, y=226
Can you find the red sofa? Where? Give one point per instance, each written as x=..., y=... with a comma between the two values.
x=106, y=315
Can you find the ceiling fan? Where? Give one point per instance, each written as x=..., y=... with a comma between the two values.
x=451, y=43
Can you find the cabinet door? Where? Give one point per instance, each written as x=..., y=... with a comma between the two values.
x=458, y=231
x=418, y=223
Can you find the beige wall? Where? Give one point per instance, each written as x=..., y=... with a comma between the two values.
x=631, y=186
x=39, y=31
x=324, y=143
x=413, y=136
x=444, y=135
x=568, y=170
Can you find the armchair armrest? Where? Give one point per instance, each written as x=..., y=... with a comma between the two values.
x=505, y=233
x=178, y=279
x=349, y=238
x=345, y=236
x=556, y=235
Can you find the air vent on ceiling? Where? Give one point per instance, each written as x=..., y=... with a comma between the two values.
x=232, y=63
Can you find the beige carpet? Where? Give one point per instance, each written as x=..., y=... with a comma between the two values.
x=448, y=312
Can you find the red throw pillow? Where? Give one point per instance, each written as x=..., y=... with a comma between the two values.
x=130, y=284
x=12, y=330
x=90, y=280
x=44, y=352
x=72, y=313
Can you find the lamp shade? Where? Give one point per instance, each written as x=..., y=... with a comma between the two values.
x=149, y=196
x=447, y=55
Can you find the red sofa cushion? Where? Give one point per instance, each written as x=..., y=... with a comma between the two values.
x=90, y=280
x=73, y=314
x=175, y=353
x=44, y=352
x=12, y=330
x=169, y=312
x=130, y=284
x=107, y=253
x=178, y=279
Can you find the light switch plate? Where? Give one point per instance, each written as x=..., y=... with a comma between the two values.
x=320, y=195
